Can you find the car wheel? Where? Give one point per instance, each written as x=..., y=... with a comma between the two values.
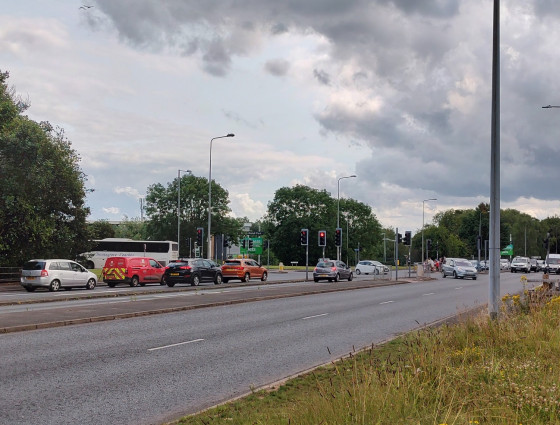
x=195, y=280
x=337, y=277
x=443, y=274
x=218, y=279
x=54, y=286
x=455, y=275
x=30, y=288
x=162, y=282
x=111, y=284
x=350, y=277
x=134, y=282
x=314, y=280
x=170, y=284
x=90, y=284
x=246, y=277
x=264, y=276
x=474, y=278
x=358, y=272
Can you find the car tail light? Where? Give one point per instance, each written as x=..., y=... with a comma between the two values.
x=185, y=268
x=44, y=273
x=315, y=269
x=333, y=269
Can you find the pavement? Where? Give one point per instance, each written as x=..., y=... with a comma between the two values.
x=124, y=304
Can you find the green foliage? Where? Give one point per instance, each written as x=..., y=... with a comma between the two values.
x=161, y=208
x=299, y=207
x=42, y=210
x=134, y=228
x=101, y=229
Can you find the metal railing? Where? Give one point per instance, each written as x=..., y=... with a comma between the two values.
x=9, y=274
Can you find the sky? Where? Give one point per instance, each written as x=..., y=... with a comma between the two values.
x=396, y=92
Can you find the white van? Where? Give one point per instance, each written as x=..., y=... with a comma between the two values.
x=552, y=263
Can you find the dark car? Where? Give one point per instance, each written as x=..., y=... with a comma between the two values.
x=192, y=271
x=332, y=270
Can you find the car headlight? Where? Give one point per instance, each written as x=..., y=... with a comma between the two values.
x=460, y=269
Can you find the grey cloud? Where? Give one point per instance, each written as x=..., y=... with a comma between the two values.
x=216, y=59
x=436, y=8
x=322, y=76
x=277, y=67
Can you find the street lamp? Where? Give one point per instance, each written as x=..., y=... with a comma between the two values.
x=209, y=254
x=550, y=106
x=338, y=211
x=425, y=200
x=179, y=208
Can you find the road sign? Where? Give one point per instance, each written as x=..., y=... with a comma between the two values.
x=252, y=246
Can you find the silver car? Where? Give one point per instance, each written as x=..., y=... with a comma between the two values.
x=332, y=270
x=56, y=274
x=458, y=268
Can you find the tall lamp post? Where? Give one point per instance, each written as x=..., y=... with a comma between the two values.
x=179, y=208
x=423, y=202
x=209, y=254
x=338, y=211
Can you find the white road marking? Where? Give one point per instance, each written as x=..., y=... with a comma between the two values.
x=317, y=315
x=175, y=345
x=386, y=302
x=459, y=287
x=429, y=293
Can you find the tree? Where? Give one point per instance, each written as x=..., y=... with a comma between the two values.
x=301, y=207
x=133, y=228
x=42, y=195
x=101, y=229
x=161, y=208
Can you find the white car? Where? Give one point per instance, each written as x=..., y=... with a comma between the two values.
x=504, y=264
x=371, y=267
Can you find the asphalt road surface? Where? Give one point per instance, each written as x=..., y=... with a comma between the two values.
x=155, y=368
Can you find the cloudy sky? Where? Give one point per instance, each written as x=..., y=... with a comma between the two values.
x=397, y=92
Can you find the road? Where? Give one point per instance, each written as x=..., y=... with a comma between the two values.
x=150, y=369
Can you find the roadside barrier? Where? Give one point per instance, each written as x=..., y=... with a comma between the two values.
x=9, y=274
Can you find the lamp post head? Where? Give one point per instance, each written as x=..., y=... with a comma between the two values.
x=230, y=135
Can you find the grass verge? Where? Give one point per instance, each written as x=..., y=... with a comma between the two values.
x=477, y=371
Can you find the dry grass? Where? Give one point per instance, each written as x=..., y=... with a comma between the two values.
x=478, y=371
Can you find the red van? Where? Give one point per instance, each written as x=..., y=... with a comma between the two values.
x=132, y=270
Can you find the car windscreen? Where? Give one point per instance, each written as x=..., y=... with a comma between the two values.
x=463, y=264
x=34, y=265
x=553, y=260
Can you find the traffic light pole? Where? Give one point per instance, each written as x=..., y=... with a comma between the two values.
x=397, y=253
x=307, y=262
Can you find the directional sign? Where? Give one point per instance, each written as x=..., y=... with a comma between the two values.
x=254, y=246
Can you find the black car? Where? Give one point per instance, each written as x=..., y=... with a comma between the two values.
x=193, y=271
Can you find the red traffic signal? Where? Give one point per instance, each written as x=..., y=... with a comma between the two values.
x=304, y=237
x=322, y=238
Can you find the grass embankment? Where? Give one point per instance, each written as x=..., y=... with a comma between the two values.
x=478, y=371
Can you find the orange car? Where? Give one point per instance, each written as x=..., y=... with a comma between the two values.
x=243, y=269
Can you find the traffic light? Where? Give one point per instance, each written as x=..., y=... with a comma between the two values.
x=429, y=244
x=250, y=243
x=304, y=237
x=244, y=243
x=545, y=243
x=479, y=242
x=322, y=238
x=199, y=234
x=407, y=237
x=399, y=238
x=226, y=241
x=338, y=236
